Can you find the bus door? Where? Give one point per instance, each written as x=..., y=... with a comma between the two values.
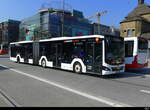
x=57, y=54
x=94, y=57
x=36, y=53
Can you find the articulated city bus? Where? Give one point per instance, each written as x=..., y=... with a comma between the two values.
x=3, y=49
x=102, y=55
x=136, y=52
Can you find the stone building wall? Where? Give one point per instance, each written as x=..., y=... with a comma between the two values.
x=137, y=22
x=133, y=26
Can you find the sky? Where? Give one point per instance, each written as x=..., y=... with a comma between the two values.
x=116, y=9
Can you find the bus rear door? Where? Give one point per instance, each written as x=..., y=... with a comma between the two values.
x=57, y=54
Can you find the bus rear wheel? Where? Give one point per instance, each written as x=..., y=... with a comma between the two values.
x=77, y=68
x=18, y=60
x=43, y=63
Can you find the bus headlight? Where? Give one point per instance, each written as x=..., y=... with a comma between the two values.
x=105, y=68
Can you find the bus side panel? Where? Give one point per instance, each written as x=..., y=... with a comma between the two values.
x=142, y=56
x=46, y=53
x=136, y=54
x=143, y=52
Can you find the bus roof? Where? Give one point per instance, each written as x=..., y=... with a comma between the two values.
x=22, y=42
x=63, y=38
x=130, y=38
x=72, y=38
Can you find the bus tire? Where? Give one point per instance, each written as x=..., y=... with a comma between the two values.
x=18, y=60
x=43, y=63
x=77, y=68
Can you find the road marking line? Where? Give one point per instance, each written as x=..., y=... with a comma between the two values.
x=145, y=91
x=11, y=102
x=96, y=98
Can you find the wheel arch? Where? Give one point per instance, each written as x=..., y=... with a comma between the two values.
x=18, y=56
x=42, y=58
x=78, y=60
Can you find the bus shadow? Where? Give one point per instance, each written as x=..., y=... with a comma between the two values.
x=123, y=76
x=3, y=68
x=116, y=76
x=143, y=71
x=113, y=76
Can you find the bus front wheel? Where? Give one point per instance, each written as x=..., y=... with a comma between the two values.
x=77, y=68
x=43, y=63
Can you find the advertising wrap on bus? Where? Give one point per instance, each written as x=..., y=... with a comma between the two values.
x=136, y=52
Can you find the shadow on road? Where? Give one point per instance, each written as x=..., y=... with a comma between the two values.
x=128, y=74
x=3, y=68
x=131, y=73
x=118, y=75
x=143, y=71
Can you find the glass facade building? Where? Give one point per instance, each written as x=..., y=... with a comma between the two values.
x=49, y=23
x=32, y=24
x=9, y=31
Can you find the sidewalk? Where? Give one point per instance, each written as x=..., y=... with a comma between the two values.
x=4, y=56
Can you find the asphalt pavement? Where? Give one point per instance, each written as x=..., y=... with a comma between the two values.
x=3, y=102
x=32, y=86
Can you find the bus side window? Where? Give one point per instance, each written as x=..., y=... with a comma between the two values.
x=143, y=45
x=52, y=52
x=67, y=52
x=79, y=50
x=30, y=54
x=43, y=51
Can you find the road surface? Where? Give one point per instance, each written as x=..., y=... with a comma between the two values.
x=33, y=86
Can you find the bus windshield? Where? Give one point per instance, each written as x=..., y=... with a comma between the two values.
x=114, y=50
